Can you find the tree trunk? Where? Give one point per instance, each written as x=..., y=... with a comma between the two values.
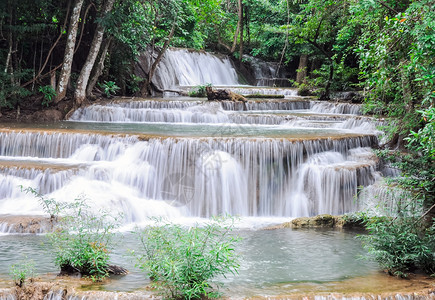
x=285, y=44
x=302, y=69
x=53, y=80
x=85, y=73
x=8, y=58
x=99, y=68
x=69, y=52
x=239, y=25
x=406, y=88
x=241, y=36
x=146, y=88
x=326, y=94
x=232, y=49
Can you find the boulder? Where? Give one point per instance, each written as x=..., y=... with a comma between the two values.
x=321, y=221
x=325, y=221
x=25, y=224
x=48, y=115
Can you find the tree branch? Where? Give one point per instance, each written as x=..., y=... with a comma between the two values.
x=52, y=47
x=387, y=6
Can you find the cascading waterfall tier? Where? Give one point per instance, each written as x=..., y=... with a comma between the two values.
x=183, y=67
x=184, y=176
x=175, y=111
x=337, y=108
x=221, y=112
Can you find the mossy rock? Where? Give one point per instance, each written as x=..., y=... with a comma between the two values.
x=304, y=90
x=326, y=221
x=321, y=221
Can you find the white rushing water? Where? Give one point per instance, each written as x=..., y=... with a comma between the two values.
x=185, y=176
x=277, y=159
x=182, y=67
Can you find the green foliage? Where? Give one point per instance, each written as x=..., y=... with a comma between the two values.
x=424, y=139
x=49, y=94
x=401, y=244
x=199, y=91
x=396, y=57
x=109, y=87
x=22, y=271
x=183, y=261
x=404, y=240
x=134, y=83
x=81, y=238
x=11, y=93
x=304, y=89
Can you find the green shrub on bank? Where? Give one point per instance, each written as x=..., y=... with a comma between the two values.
x=183, y=261
x=401, y=245
x=22, y=271
x=49, y=93
x=109, y=87
x=399, y=237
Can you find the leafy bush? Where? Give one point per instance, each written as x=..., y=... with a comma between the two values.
x=11, y=93
x=405, y=239
x=22, y=271
x=183, y=261
x=424, y=139
x=304, y=90
x=81, y=239
x=49, y=93
x=110, y=88
x=199, y=91
x=134, y=83
x=401, y=245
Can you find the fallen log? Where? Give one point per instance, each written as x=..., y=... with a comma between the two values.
x=221, y=94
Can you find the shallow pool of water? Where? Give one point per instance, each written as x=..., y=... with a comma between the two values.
x=269, y=259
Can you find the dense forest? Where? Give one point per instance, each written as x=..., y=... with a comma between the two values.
x=53, y=52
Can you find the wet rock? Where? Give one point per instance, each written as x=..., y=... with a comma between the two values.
x=117, y=270
x=49, y=115
x=317, y=221
x=24, y=224
x=321, y=221
x=349, y=222
x=30, y=291
x=68, y=270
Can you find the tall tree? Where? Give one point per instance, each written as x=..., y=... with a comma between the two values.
x=82, y=81
x=65, y=73
x=317, y=24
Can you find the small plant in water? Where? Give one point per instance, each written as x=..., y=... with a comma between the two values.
x=82, y=239
x=183, y=261
x=22, y=271
x=49, y=93
x=110, y=88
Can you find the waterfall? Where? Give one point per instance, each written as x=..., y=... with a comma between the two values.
x=327, y=181
x=183, y=67
x=184, y=112
x=244, y=176
x=337, y=108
